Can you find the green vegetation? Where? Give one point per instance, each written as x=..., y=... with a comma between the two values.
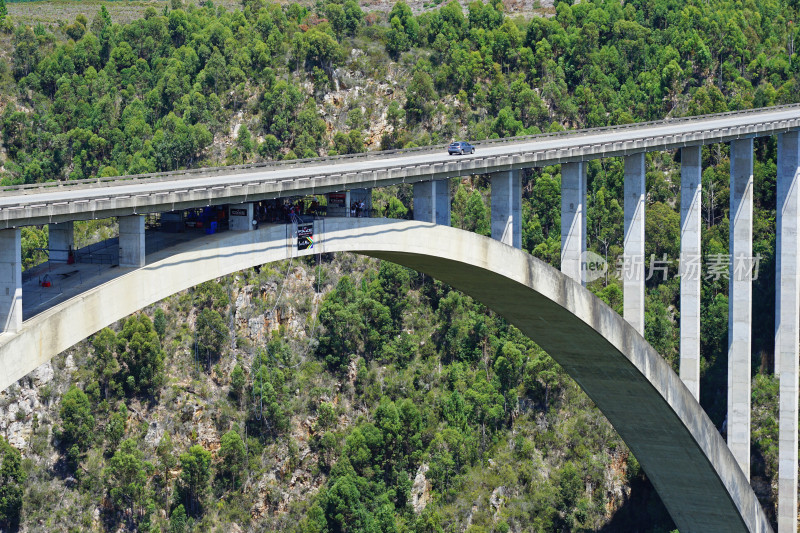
x=12, y=476
x=402, y=378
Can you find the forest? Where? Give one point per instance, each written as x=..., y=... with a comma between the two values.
x=397, y=374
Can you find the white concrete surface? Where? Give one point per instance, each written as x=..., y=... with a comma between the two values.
x=740, y=302
x=787, y=325
x=432, y=201
x=691, y=267
x=573, y=220
x=633, y=271
x=507, y=207
x=694, y=473
x=240, y=217
x=131, y=241
x=10, y=281
x=61, y=239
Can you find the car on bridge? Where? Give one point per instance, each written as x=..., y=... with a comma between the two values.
x=460, y=147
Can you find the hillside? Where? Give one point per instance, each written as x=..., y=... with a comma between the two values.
x=379, y=400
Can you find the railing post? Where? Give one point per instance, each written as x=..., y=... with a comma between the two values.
x=787, y=325
x=10, y=280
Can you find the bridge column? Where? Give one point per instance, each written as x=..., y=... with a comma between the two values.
x=573, y=219
x=690, y=267
x=240, y=217
x=507, y=207
x=61, y=240
x=10, y=280
x=362, y=195
x=633, y=273
x=787, y=325
x=740, y=301
x=131, y=241
x=432, y=201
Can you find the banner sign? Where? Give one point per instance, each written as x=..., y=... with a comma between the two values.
x=337, y=198
x=305, y=236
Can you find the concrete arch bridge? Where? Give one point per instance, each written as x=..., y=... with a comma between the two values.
x=687, y=460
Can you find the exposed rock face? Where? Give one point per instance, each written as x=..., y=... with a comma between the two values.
x=18, y=406
x=497, y=499
x=420, y=490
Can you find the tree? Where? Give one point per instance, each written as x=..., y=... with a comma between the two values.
x=77, y=424
x=3, y=10
x=238, y=382
x=232, y=459
x=126, y=476
x=243, y=140
x=195, y=473
x=212, y=334
x=178, y=519
x=141, y=356
x=105, y=364
x=115, y=429
x=12, y=477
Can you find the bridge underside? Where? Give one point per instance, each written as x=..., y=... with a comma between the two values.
x=673, y=439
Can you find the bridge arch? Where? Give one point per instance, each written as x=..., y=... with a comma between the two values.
x=688, y=462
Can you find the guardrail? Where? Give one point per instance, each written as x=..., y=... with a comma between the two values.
x=17, y=190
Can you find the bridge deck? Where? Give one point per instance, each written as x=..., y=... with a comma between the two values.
x=57, y=202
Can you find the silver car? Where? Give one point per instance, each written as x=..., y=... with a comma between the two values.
x=460, y=147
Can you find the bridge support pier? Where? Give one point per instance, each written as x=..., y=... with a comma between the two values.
x=359, y=196
x=240, y=218
x=432, y=201
x=507, y=207
x=10, y=280
x=740, y=301
x=61, y=241
x=787, y=325
x=690, y=267
x=131, y=241
x=633, y=271
x=573, y=219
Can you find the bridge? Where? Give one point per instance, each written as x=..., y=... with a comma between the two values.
x=702, y=480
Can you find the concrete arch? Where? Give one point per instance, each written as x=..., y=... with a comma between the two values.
x=671, y=436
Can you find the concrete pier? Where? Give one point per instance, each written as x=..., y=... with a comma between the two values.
x=131, y=241
x=240, y=218
x=61, y=241
x=361, y=195
x=573, y=219
x=690, y=267
x=10, y=280
x=787, y=325
x=633, y=272
x=507, y=207
x=740, y=301
x=432, y=201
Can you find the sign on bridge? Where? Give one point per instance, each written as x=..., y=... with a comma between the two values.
x=305, y=236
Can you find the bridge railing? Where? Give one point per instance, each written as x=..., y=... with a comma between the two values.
x=16, y=190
